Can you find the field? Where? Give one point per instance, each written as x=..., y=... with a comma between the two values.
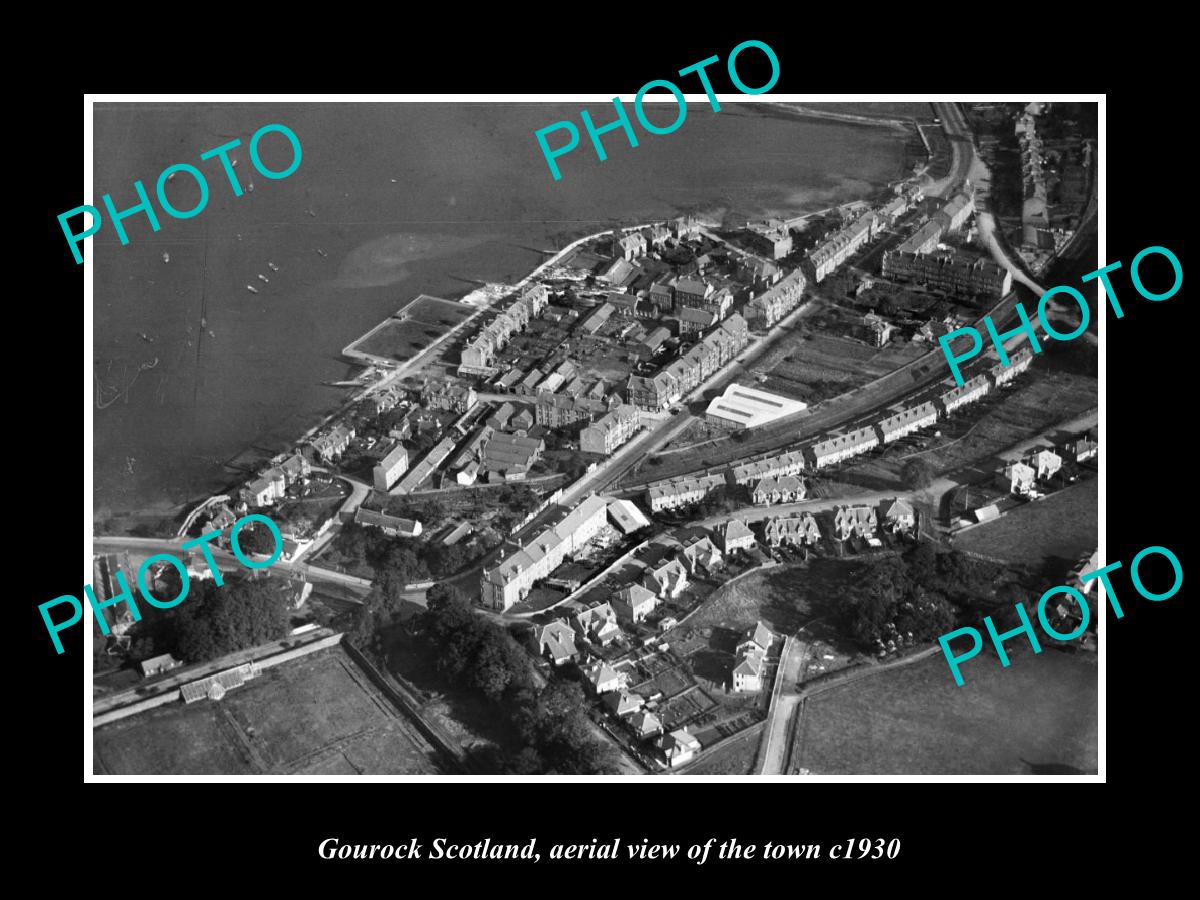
x=1063, y=526
x=315, y=715
x=814, y=366
x=1038, y=716
x=412, y=328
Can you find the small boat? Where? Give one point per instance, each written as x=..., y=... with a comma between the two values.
x=204, y=321
x=210, y=333
x=166, y=257
x=239, y=237
x=252, y=289
x=272, y=267
x=394, y=181
x=129, y=461
x=264, y=279
x=171, y=177
x=311, y=213
x=145, y=337
x=235, y=162
x=250, y=187
x=322, y=252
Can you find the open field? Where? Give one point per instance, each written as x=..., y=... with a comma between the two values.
x=318, y=715
x=1037, y=716
x=399, y=340
x=1063, y=526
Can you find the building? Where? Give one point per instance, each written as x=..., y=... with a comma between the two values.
x=745, y=407
x=597, y=318
x=790, y=463
x=700, y=553
x=751, y=653
x=156, y=665
x=390, y=468
x=645, y=724
x=779, y=489
x=562, y=411
x=923, y=240
x=693, y=292
x=389, y=525
x=262, y=491
x=971, y=390
x=950, y=271
x=597, y=624
x=622, y=703
x=609, y=432
x=835, y=449
x=824, y=259
x=449, y=396
x=603, y=677
x=294, y=468
x=684, y=492
x=736, y=535
x=652, y=393
x=773, y=236
x=693, y=321
x=758, y=272
x=216, y=686
x=515, y=574
x=1083, y=448
x=626, y=516
x=1045, y=463
x=555, y=641
x=633, y=603
x=510, y=456
x=855, y=521
x=331, y=446
x=955, y=213
x=480, y=351
x=629, y=246
x=898, y=516
x=768, y=308
x=500, y=417
x=1017, y=363
x=662, y=295
x=651, y=343
x=1017, y=478
x=678, y=747
x=665, y=579
x=426, y=467
x=795, y=530
x=906, y=422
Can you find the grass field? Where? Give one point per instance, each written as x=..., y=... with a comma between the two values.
x=317, y=715
x=1037, y=716
x=1061, y=527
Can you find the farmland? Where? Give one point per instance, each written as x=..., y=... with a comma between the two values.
x=1039, y=715
x=316, y=715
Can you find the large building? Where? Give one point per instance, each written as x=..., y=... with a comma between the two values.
x=390, y=468
x=653, y=393
x=609, y=432
x=923, y=240
x=562, y=411
x=906, y=422
x=1017, y=363
x=514, y=576
x=797, y=530
x=950, y=271
x=745, y=407
x=480, y=351
x=447, y=395
x=775, y=303
x=825, y=258
x=773, y=235
x=509, y=456
x=332, y=445
x=835, y=449
x=955, y=213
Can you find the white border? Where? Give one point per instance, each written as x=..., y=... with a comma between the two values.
x=88, y=192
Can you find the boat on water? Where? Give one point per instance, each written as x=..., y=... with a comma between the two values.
x=166, y=257
x=210, y=333
x=145, y=337
x=203, y=321
x=250, y=187
x=311, y=213
x=272, y=267
x=235, y=162
x=394, y=181
x=322, y=252
x=129, y=461
x=252, y=289
x=264, y=279
x=171, y=177
x=239, y=237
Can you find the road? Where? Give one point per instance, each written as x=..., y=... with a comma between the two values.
x=775, y=735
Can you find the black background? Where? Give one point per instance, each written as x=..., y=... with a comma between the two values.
x=954, y=836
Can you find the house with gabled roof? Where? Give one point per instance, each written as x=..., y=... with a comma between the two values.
x=700, y=553
x=678, y=747
x=898, y=515
x=799, y=530
x=757, y=637
x=1045, y=463
x=666, y=579
x=598, y=624
x=603, y=677
x=633, y=603
x=622, y=703
x=645, y=724
x=1017, y=478
x=855, y=521
x=556, y=642
x=736, y=535
x=779, y=489
x=747, y=673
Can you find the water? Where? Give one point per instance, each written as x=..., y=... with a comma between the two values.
x=473, y=201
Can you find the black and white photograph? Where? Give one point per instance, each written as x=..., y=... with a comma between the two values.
x=510, y=437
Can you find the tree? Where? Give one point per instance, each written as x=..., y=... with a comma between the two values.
x=233, y=617
x=918, y=473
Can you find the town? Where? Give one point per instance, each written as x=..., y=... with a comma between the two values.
x=600, y=461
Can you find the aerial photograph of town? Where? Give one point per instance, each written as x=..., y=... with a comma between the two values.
x=655, y=469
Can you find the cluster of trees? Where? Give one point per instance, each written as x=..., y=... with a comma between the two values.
x=923, y=592
x=480, y=656
x=408, y=559
x=918, y=473
x=213, y=621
